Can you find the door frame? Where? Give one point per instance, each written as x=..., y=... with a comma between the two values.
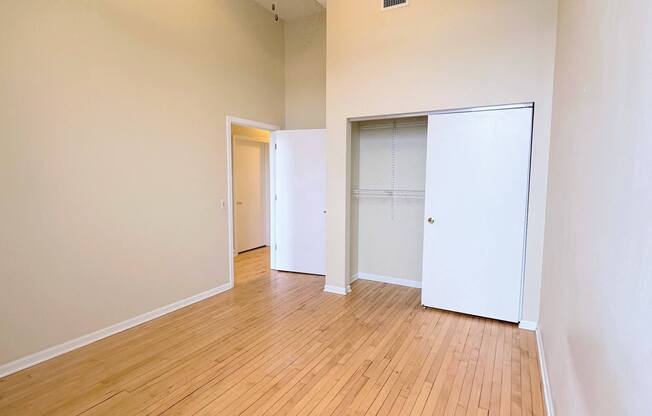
x=229, y=181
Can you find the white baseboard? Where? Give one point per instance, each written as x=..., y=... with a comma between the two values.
x=529, y=325
x=543, y=368
x=386, y=279
x=337, y=290
x=39, y=357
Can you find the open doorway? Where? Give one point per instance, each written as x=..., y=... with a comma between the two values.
x=248, y=155
x=250, y=188
x=276, y=196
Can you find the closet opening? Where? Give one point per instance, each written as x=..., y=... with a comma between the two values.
x=440, y=202
x=388, y=171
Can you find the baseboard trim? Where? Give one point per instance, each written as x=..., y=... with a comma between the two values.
x=39, y=357
x=386, y=279
x=529, y=325
x=337, y=289
x=543, y=369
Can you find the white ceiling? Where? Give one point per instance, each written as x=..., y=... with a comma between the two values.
x=294, y=9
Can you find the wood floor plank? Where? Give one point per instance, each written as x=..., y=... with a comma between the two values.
x=277, y=344
x=526, y=395
x=438, y=364
x=535, y=378
x=443, y=383
x=461, y=394
x=497, y=374
x=485, y=393
x=516, y=400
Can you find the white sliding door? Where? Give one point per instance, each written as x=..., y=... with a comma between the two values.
x=299, y=185
x=477, y=178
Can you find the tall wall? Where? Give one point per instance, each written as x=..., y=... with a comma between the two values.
x=431, y=55
x=305, y=72
x=112, y=148
x=596, y=300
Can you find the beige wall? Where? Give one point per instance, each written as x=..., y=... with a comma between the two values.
x=596, y=300
x=112, y=150
x=305, y=72
x=436, y=54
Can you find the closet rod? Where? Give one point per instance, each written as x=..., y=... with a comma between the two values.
x=389, y=193
x=392, y=125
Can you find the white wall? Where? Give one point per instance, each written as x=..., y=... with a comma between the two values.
x=373, y=218
x=596, y=300
x=305, y=72
x=113, y=155
x=431, y=55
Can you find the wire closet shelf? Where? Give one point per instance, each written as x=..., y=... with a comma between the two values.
x=389, y=193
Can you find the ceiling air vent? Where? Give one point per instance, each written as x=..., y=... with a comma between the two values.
x=391, y=4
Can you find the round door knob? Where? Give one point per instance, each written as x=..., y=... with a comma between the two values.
x=431, y=220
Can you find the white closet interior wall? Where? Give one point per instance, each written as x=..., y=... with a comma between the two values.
x=387, y=208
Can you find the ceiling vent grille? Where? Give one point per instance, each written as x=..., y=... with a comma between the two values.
x=391, y=4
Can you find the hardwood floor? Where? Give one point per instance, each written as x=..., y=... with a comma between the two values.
x=278, y=345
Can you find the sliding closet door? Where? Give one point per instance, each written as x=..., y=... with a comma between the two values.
x=477, y=178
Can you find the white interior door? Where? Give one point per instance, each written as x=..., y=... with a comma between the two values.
x=299, y=185
x=477, y=179
x=250, y=182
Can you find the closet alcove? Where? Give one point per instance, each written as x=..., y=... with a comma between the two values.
x=387, y=201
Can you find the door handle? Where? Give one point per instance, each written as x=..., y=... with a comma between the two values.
x=238, y=203
x=431, y=220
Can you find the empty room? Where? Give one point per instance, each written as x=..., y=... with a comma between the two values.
x=326, y=207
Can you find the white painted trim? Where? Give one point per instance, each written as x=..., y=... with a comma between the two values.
x=441, y=111
x=528, y=325
x=386, y=279
x=337, y=290
x=272, y=200
x=251, y=123
x=268, y=195
x=229, y=181
x=543, y=369
x=39, y=357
